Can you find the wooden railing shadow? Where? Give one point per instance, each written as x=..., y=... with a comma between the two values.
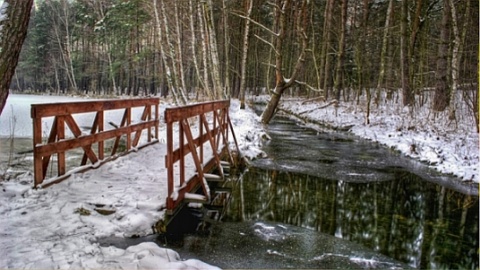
x=61, y=139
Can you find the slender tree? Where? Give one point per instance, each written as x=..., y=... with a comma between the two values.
x=440, y=101
x=341, y=52
x=381, y=73
x=246, y=32
x=404, y=55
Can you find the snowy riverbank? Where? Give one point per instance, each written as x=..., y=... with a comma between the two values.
x=449, y=147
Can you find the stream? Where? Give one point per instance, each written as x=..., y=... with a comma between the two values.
x=332, y=200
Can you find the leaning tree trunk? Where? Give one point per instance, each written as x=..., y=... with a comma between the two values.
x=281, y=84
x=14, y=17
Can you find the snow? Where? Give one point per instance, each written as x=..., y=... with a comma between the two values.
x=58, y=226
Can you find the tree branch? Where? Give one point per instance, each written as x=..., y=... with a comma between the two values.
x=257, y=23
x=268, y=43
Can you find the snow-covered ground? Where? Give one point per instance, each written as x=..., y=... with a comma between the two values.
x=57, y=227
x=451, y=147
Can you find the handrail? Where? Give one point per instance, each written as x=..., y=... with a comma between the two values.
x=58, y=144
x=214, y=134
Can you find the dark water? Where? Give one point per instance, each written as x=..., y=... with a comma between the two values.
x=413, y=221
x=348, y=188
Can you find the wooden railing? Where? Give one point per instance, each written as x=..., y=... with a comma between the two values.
x=215, y=134
x=59, y=141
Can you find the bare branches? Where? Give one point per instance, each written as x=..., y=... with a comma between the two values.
x=256, y=23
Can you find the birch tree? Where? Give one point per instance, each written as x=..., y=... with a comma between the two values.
x=212, y=45
x=14, y=18
x=456, y=54
x=164, y=56
x=249, y=6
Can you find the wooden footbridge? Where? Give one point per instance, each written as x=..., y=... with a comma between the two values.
x=197, y=134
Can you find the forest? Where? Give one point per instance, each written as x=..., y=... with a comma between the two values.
x=213, y=49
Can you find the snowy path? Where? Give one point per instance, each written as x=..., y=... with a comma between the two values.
x=58, y=226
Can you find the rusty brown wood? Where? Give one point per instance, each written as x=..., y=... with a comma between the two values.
x=60, y=137
x=169, y=164
x=212, y=143
x=67, y=108
x=216, y=134
x=198, y=165
x=59, y=145
x=92, y=131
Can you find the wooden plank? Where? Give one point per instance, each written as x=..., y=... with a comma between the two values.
x=100, y=128
x=68, y=108
x=61, y=136
x=181, y=141
x=129, y=122
x=169, y=165
x=55, y=147
x=179, y=113
x=37, y=159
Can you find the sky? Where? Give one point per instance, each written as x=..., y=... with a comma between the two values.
x=59, y=226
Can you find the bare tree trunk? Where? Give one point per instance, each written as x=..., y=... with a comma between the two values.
x=108, y=53
x=226, y=47
x=381, y=73
x=205, y=50
x=171, y=53
x=281, y=84
x=326, y=52
x=203, y=81
x=324, y=49
x=440, y=100
x=248, y=6
x=341, y=52
x=404, y=55
x=164, y=57
x=456, y=55
x=210, y=29
x=183, y=87
x=14, y=17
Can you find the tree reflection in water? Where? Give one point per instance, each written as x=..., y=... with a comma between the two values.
x=408, y=219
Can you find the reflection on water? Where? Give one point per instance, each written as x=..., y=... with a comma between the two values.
x=407, y=218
